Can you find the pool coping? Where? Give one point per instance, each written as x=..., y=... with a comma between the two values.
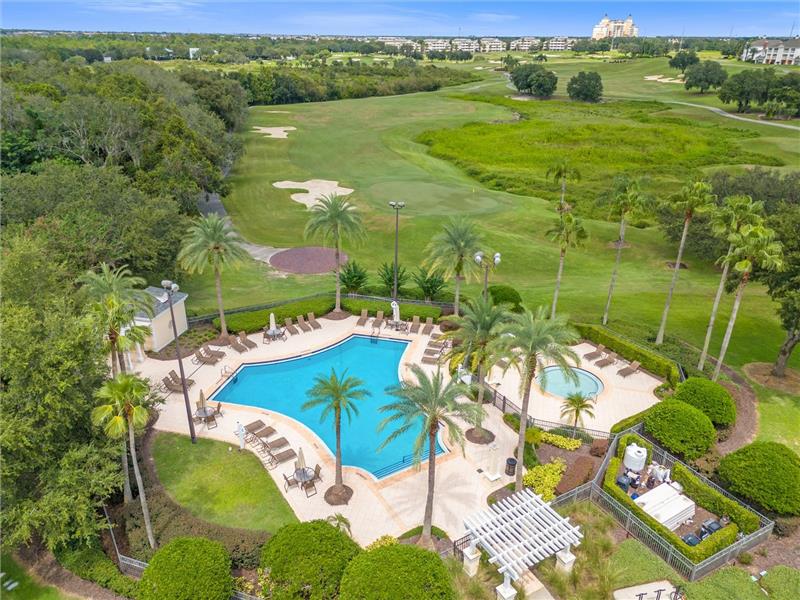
x=544, y=392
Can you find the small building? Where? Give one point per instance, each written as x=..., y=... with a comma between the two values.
x=466, y=45
x=559, y=43
x=773, y=52
x=524, y=44
x=492, y=45
x=437, y=44
x=160, y=323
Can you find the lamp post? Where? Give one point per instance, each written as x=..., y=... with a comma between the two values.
x=171, y=288
x=487, y=265
x=397, y=206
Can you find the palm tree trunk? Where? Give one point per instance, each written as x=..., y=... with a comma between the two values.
x=123, y=368
x=127, y=496
x=563, y=194
x=662, y=328
x=338, y=306
x=620, y=244
x=523, y=427
x=457, y=294
x=731, y=322
x=558, y=283
x=792, y=339
x=479, y=421
x=721, y=288
x=223, y=327
x=113, y=340
x=140, y=485
x=339, y=479
x=427, y=521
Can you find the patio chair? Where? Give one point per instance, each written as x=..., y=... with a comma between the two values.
x=246, y=341
x=430, y=360
x=174, y=377
x=415, y=324
x=308, y=486
x=301, y=323
x=265, y=432
x=436, y=336
x=211, y=422
x=317, y=473
x=276, y=444
x=428, y=326
x=288, y=482
x=362, y=320
x=312, y=320
x=377, y=322
x=236, y=345
x=209, y=352
x=629, y=370
x=290, y=326
x=218, y=410
x=433, y=352
x=596, y=353
x=437, y=344
x=251, y=428
x=172, y=386
x=205, y=360
x=282, y=457
x=608, y=359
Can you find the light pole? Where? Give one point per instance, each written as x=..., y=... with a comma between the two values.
x=486, y=264
x=171, y=288
x=397, y=206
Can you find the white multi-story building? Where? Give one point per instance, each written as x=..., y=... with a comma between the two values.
x=559, y=43
x=400, y=42
x=492, y=45
x=773, y=52
x=614, y=28
x=466, y=45
x=524, y=44
x=437, y=44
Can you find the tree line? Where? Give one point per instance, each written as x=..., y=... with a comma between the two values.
x=535, y=79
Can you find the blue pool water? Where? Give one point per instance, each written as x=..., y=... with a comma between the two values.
x=281, y=386
x=557, y=383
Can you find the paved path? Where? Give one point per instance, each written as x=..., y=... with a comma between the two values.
x=723, y=113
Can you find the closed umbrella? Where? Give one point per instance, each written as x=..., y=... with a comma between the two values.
x=272, y=322
x=301, y=460
x=202, y=399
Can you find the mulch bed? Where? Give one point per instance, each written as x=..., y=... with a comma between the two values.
x=761, y=373
x=336, y=316
x=440, y=544
x=189, y=341
x=307, y=260
x=547, y=453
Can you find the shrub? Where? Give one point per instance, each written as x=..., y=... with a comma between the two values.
x=559, y=441
x=353, y=277
x=399, y=571
x=782, y=583
x=710, y=397
x=543, y=479
x=307, y=560
x=632, y=438
x=745, y=558
x=629, y=422
x=407, y=311
x=573, y=433
x=505, y=294
x=681, y=428
x=386, y=277
x=188, y=569
x=92, y=564
x=435, y=531
x=768, y=473
x=255, y=320
x=585, y=86
x=384, y=540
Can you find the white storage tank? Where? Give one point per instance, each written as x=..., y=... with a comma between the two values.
x=635, y=457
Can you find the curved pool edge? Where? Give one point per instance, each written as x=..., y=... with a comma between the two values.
x=596, y=395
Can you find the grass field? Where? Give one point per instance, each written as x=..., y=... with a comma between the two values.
x=28, y=589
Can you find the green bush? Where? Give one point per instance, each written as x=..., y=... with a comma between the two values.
x=710, y=397
x=529, y=457
x=561, y=441
x=782, y=583
x=631, y=438
x=650, y=361
x=681, y=428
x=399, y=571
x=629, y=422
x=188, y=569
x=440, y=533
x=407, y=311
x=768, y=473
x=307, y=560
x=505, y=294
x=543, y=479
x=256, y=320
x=92, y=564
x=569, y=432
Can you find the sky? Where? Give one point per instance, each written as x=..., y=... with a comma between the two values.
x=388, y=17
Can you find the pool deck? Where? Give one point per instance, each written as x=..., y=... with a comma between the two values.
x=396, y=503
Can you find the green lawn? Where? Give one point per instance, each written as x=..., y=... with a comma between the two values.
x=217, y=483
x=28, y=589
x=779, y=417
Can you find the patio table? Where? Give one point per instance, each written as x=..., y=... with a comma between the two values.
x=275, y=334
x=398, y=325
x=304, y=474
x=204, y=412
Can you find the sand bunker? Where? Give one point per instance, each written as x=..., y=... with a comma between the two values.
x=274, y=132
x=662, y=79
x=284, y=112
x=316, y=189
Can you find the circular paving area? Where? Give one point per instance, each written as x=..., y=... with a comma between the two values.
x=308, y=260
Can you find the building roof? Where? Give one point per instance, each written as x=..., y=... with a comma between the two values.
x=160, y=303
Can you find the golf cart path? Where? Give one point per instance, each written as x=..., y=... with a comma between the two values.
x=723, y=113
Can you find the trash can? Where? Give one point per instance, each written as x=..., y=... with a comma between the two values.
x=511, y=466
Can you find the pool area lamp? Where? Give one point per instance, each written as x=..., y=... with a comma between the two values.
x=172, y=288
x=397, y=206
x=487, y=265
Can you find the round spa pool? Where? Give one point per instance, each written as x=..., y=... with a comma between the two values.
x=554, y=381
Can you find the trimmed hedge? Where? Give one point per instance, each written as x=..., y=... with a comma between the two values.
x=255, y=320
x=681, y=428
x=397, y=571
x=505, y=294
x=561, y=441
x=710, y=397
x=407, y=311
x=650, y=361
x=92, y=564
x=768, y=473
x=307, y=560
x=188, y=569
x=631, y=438
x=629, y=422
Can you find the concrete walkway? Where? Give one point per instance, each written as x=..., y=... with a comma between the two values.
x=728, y=115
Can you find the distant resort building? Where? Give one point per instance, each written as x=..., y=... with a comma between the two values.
x=614, y=28
x=400, y=42
x=492, y=45
x=773, y=52
x=437, y=44
x=466, y=45
x=559, y=43
x=524, y=44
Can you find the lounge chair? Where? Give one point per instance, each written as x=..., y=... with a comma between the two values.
x=596, y=353
x=172, y=386
x=312, y=320
x=433, y=352
x=415, y=324
x=290, y=326
x=236, y=345
x=276, y=444
x=436, y=344
x=436, y=336
x=246, y=341
x=206, y=360
x=308, y=486
x=276, y=459
x=377, y=322
x=301, y=323
x=289, y=482
x=209, y=352
x=428, y=326
x=608, y=359
x=174, y=377
x=263, y=433
x=430, y=360
x=251, y=428
x=629, y=370
x=362, y=320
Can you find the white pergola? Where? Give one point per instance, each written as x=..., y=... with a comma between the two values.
x=520, y=531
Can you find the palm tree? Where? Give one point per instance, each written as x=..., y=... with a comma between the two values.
x=341, y=523
x=335, y=219
x=452, y=252
x=575, y=406
x=568, y=232
x=727, y=220
x=337, y=395
x=432, y=404
x=211, y=241
x=531, y=340
x=691, y=200
x=476, y=344
x=561, y=171
x=753, y=247
x=126, y=396
x=628, y=201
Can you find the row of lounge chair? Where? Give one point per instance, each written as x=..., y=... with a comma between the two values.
x=435, y=350
x=276, y=451
x=172, y=383
x=380, y=320
x=305, y=326
x=606, y=358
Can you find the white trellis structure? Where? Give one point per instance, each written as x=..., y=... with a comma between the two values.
x=519, y=532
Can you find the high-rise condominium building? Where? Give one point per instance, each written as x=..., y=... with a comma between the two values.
x=614, y=28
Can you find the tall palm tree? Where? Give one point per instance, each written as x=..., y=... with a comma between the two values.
x=575, y=406
x=568, y=232
x=126, y=409
x=336, y=395
x=627, y=202
x=531, y=340
x=753, y=247
x=335, y=219
x=561, y=171
x=728, y=220
x=212, y=242
x=431, y=404
x=693, y=199
x=476, y=343
x=452, y=251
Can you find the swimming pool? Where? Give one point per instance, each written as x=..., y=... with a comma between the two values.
x=281, y=386
x=557, y=383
